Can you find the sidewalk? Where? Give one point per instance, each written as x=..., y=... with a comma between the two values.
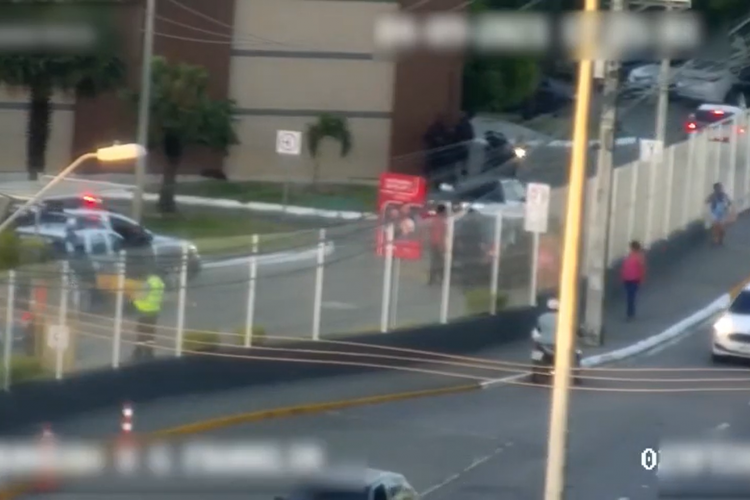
x=675, y=293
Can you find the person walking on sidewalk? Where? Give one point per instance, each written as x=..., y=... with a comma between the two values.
x=632, y=273
x=149, y=305
x=719, y=206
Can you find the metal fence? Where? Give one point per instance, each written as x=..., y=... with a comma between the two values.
x=326, y=283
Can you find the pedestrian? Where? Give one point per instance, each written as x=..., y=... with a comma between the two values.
x=463, y=135
x=719, y=206
x=438, y=232
x=148, y=304
x=436, y=142
x=632, y=273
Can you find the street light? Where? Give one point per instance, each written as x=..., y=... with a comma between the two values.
x=110, y=154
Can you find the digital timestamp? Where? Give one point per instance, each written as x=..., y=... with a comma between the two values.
x=715, y=468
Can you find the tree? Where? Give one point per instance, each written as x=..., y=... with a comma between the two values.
x=41, y=75
x=182, y=115
x=327, y=127
x=492, y=83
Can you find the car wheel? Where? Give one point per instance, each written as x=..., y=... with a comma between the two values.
x=718, y=358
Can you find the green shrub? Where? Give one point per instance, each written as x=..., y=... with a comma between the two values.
x=200, y=341
x=259, y=335
x=24, y=368
x=477, y=300
x=10, y=250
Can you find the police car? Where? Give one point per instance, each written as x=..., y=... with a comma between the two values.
x=370, y=484
x=102, y=234
x=731, y=332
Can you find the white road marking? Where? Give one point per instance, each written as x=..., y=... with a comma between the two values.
x=476, y=463
x=722, y=427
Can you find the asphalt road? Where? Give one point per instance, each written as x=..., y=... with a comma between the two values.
x=492, y=443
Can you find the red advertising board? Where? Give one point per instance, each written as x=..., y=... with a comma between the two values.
x=400, y=201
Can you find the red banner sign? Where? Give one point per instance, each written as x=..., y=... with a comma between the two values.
x=400, y=201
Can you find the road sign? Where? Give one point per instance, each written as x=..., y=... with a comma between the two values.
x=536, y=216
x=651, y=149
x=288, y=142
x=58, y=337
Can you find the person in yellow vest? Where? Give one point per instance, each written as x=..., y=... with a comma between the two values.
x=148, y=302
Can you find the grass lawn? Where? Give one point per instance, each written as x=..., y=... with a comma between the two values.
x=326, y=196
x=217, y=231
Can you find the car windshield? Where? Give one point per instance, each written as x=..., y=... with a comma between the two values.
x=741, y=305
x=330, y=495
x=712, y=115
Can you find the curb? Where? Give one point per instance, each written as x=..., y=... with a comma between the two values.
x=273, y=259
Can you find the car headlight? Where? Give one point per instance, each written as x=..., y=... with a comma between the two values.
x=520, y=152
x=723, y=327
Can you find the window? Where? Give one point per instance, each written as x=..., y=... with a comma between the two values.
x=712, y=115
x=115, y=242
x=514, y=190
x=741, y=304
x=89, y=222
x=52, y=218
x=479, y=193
x=126, y=228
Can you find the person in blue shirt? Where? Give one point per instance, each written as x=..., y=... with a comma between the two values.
x=719, y=205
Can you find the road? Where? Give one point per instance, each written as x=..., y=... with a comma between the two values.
x=492, y=443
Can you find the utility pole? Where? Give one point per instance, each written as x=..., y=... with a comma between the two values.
x=600, y=208
x=662, y=106
x=144, y=104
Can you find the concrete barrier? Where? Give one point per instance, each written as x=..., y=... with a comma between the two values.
x=272, y=363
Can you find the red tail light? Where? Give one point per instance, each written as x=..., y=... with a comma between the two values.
x=691, y=126
x=718, y=112
x=91, y=201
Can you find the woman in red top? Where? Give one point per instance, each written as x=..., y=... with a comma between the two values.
x=632, y=273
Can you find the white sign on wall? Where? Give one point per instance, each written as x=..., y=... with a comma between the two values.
x=536, y=216
x=288, y=142
x=58, y=337
x=651, y=149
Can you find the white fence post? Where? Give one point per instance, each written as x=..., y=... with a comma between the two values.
x=119, y=305
x=61, y=340
x=689, y=188
x=636, y=166
x=181, y=302
x=534, y=269
x=385, y=312
x=8, y=340
x=447, y=270
x=746, y=190
x=496, y=248
x=731, y=182
x=616, y=173
x=392, y=321
x=649, y=235
x=718, y=145
x=251, y=287
x=318, y=298
x=669, y=187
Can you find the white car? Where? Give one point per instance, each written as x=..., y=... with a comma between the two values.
x=731, y=332
x=370, y=484
x=707, y=81
x=647, y=76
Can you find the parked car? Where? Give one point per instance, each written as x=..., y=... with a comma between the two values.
x=709, y=114
x=372, y=484
x=645, y=77
x=711, y=82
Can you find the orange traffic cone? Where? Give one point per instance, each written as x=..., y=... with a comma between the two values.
x=126, y=422
x=125, y=452
x=47, y=442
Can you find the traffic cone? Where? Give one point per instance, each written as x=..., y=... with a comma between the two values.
x=125, y=451
x=47, y=442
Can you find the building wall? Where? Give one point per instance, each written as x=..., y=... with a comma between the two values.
x=307, y=57
x=13, y=122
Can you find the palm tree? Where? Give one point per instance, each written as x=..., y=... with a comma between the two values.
x=182, y=115
x=41, y=75
x=327, y=127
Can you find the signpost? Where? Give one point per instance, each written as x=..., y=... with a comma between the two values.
x=288, y=143
x=651, y=149
x=536, y=221
x=400, y=201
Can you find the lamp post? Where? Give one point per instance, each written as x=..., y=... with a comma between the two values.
x=110, y=154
